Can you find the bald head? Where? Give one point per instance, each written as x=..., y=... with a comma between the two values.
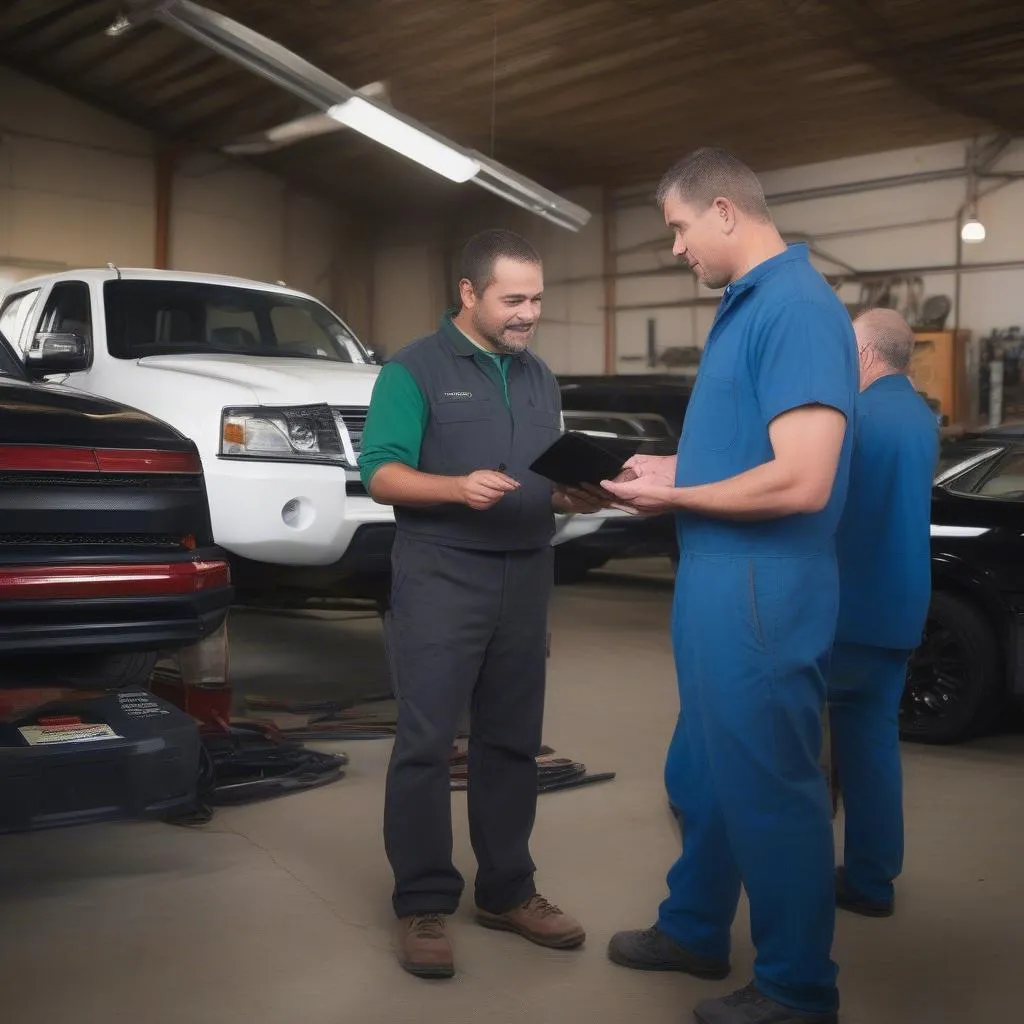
x=887, y=335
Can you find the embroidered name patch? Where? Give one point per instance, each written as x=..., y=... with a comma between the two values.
x=456, y=396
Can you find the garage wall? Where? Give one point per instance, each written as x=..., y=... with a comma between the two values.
x=78, y=188
x=905, y=227
x=411, y=290
x=879, y=230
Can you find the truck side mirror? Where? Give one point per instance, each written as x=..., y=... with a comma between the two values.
x=52, y=352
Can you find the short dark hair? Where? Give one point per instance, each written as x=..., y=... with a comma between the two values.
x=483, y=250
x=709, y=173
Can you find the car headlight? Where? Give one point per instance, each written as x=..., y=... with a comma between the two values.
x=307, y=433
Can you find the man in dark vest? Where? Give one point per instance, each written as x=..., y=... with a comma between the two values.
x=455, y=421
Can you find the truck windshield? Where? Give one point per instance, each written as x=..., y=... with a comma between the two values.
x=148, y=318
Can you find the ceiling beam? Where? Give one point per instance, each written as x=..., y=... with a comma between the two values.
x=40, y=23
x=76, y=32
x=173, y=71
x=925, y=72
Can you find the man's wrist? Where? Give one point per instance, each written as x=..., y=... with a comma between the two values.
x=456, y=497
x=679, y=495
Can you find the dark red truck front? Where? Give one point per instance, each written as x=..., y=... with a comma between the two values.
x=106, y=549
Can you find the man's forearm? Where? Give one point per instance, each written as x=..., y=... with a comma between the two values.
x=397, y=484
x=768, y=491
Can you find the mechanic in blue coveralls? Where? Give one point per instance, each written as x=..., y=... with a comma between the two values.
x=757, y=486
x=884, y=550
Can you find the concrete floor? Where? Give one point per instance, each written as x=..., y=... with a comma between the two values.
x=278, y=913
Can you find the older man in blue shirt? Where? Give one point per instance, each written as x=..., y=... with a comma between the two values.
x=883, y=545
x=758, y=486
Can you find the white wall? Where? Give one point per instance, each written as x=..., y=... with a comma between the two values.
x=410, y=290
x=863, y=230
x=78, y=188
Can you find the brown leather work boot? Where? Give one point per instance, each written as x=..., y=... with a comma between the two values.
x=423, y=946
x=540, y=922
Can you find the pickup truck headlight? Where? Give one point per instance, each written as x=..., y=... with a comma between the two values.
x=310, y=433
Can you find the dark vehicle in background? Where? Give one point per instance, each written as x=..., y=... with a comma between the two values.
x=642, y=413
x=970, y=663
x=664, y=395
x=106, y=550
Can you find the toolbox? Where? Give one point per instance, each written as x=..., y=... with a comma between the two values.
x=96, y=756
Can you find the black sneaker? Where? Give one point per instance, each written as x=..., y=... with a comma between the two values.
x=750, y=1006
x=847, y=899
x=653, y=950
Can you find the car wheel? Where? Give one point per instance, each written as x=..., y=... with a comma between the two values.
x=954, y=678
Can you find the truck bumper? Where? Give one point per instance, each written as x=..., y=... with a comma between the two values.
x=287, y=514
x=111, y=606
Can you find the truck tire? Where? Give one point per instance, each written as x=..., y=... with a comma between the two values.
x=955, y=686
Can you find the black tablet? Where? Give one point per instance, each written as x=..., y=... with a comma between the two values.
x=576, y=459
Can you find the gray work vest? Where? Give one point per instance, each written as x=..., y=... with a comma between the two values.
x=470, y=427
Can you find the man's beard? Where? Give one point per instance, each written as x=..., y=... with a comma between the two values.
x=508, y=340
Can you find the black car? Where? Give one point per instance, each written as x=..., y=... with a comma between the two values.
x=106, y=548
x=971, y=661
x=642, y=413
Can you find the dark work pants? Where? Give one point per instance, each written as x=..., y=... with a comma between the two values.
x=465, y=628
x=864, y=689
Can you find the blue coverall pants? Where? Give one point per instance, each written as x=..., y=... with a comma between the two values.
x=752, y=636
x=865, y=686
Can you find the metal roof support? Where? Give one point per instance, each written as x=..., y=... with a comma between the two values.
x=321, y=91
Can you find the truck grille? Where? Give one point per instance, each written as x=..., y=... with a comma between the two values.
x=163, y=481
x=353, y=418
x=104, y=540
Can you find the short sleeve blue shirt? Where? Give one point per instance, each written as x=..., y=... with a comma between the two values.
x=884, y=536
x=781, y=340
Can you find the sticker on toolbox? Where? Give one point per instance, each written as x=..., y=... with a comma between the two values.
x=139, y=704
x=38, y=735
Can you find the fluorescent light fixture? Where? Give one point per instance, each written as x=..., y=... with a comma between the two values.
x=382, y=124
x=973, y=231
x=398, y=134
x=515, y=188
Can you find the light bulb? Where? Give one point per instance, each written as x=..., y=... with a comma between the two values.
x=973, y=231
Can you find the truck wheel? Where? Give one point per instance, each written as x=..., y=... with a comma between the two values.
x=954, y=686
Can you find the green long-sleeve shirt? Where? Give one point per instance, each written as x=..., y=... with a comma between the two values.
x=398, y=411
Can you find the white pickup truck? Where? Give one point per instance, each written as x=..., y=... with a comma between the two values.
x=271, y=386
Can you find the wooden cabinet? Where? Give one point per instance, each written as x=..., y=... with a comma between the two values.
x=938, y=367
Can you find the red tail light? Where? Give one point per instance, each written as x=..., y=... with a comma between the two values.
x=43, y=458
x=73, y=582
x=38, y=458
x=131, y=461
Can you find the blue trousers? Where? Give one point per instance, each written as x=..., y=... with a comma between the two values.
x=865, y=686
x=752, y=637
